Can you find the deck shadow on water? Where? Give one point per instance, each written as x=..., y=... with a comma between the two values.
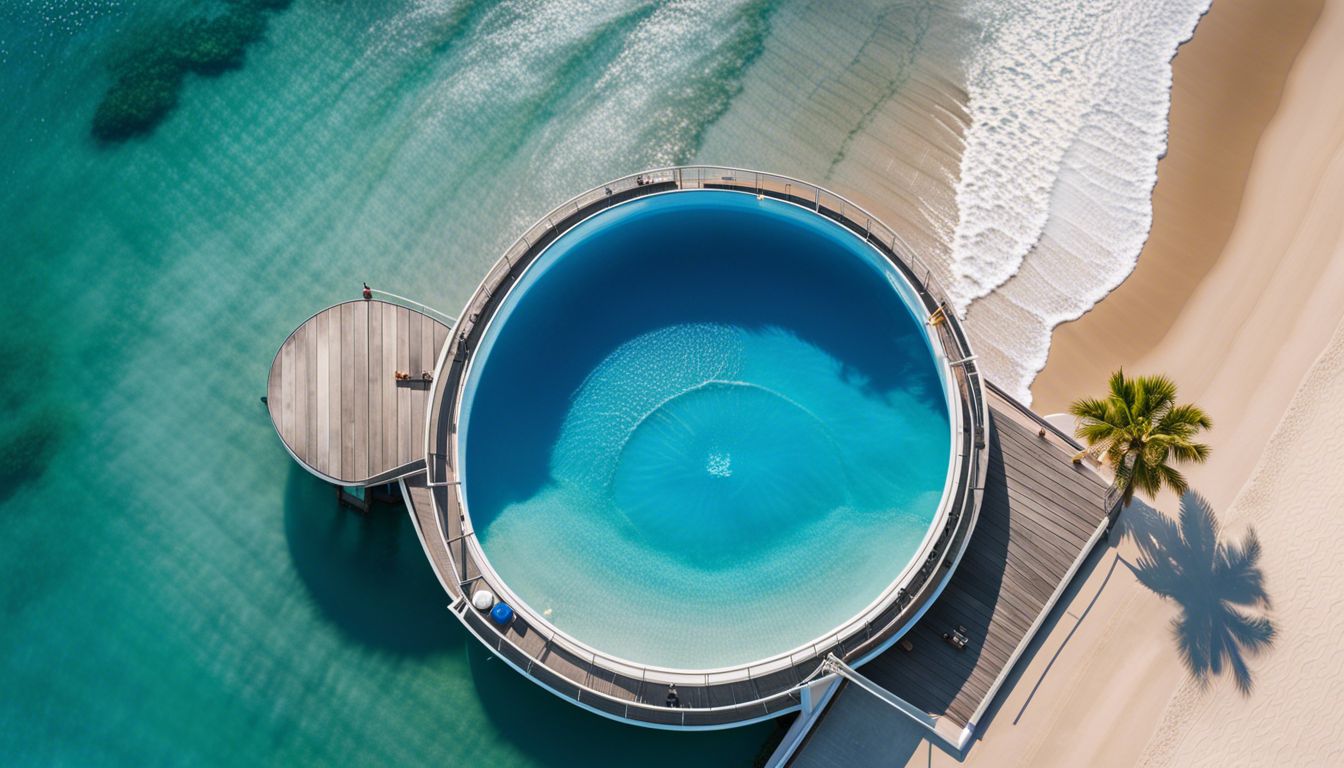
x=1217, y=584
x=556, y=733
x=366, y=573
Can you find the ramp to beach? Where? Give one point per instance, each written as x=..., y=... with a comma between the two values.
x=1040, y=517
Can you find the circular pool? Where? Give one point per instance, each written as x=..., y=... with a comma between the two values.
x=704, y=429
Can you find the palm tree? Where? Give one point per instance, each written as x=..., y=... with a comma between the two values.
x=1141, y=432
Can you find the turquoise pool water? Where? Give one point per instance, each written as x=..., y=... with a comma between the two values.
x=703, y=429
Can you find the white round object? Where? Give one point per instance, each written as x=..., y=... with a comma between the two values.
x=1064, y=422
x=483, y=599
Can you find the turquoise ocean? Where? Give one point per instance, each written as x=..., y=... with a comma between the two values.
x=183, y=182
x=174, y=589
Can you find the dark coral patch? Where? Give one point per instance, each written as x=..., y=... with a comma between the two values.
x=147, y=81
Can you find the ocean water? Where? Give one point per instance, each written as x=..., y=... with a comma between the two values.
x=1069, y=110
x=181, y=183
x=735, y=441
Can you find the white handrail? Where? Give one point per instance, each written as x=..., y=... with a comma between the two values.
x=684, y=177
x=418, y=305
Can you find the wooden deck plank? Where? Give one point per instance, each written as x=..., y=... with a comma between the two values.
x=348, y=392
x=1038, y=461
x=403, y=392
x=413, y=365
x=1051, y=490
x=416, y=395
x=359, y=370
x=322, y=382
x=298, y=440
x=337, y=423
x=427, y=350
x=375, y=385
x=332, y=396
x=310, y=391
x=287, y=387
x=440, y=336
x=389, y=385
x=428, y=325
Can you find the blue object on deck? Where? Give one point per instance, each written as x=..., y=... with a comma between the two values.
x=501, y=613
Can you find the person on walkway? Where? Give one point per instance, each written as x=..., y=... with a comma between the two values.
x=368, y=292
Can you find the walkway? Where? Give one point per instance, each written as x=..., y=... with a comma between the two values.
x=620, y=689
x=333, y=397
x=1040, y=517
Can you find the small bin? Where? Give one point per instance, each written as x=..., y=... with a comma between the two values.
x=501, y=614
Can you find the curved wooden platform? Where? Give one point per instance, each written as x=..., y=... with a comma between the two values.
x=617, y=688
x=333, y=397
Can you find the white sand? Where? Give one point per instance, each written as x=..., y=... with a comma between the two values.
x=1294, y=500
x=1240, y=322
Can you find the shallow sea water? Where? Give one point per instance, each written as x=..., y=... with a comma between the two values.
x=174, y=590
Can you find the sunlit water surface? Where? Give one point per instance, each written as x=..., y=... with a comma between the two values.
x=704, y=429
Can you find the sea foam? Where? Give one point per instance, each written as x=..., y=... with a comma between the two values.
x=1069, y=105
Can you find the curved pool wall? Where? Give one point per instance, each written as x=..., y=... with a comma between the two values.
x=704, y=429
x=737, y=695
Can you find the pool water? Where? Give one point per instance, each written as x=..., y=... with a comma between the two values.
x=704, y=429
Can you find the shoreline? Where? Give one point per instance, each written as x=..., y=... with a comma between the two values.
x=1219, y=285
x=1237, y=295
x=1228, y=84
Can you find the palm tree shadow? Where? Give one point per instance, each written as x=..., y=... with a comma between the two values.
x=1217, y=584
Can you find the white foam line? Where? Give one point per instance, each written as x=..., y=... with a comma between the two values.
x=1069, y=104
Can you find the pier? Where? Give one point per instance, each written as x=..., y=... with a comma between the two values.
x=1042, y=515
x=1021, y=516
x=334, y=398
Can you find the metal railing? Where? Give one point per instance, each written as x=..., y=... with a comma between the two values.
x=894, y=611
x=393, y=298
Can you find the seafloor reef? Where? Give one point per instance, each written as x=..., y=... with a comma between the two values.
x=148, y=78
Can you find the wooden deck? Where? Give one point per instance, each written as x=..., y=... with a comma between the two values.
x=333, y=398
x=619, y=689
x=1040, y=515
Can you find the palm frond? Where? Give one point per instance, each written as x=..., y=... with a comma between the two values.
x=1191, y=415
x=1089, y=408
x=1140, y=429
x=1159, y=394
x=1186, y=451
x=1172, y=477
x=1095, y=433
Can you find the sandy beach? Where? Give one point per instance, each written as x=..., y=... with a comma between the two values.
x=1239, y=296
x=1238, y=288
